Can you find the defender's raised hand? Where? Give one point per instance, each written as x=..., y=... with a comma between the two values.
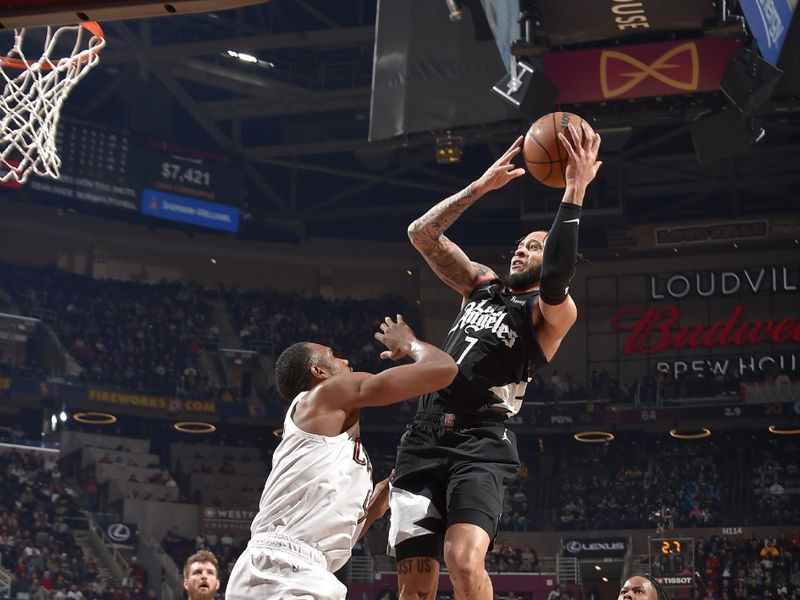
x=582, y=147
x=502, y=171
x=397, y=336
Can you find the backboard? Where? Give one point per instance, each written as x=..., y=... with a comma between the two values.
x=37, y=13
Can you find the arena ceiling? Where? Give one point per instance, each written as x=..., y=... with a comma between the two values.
x=298, y=120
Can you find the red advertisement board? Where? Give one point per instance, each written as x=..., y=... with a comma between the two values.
x=641, y=70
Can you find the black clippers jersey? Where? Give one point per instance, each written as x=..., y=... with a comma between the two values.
x=494, y=344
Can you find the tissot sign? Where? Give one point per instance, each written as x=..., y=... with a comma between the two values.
x=734, y=335
x=594, y=547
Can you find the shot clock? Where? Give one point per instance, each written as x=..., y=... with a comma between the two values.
x=672, y=561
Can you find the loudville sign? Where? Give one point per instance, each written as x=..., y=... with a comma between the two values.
x=704, y=284
x=590, y=548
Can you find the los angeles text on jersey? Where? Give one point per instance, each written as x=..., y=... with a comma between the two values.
x=482, y=316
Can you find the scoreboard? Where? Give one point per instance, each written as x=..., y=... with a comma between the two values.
x=115, y=169
x=672, y=561
x=190, y=172
x=99, y=165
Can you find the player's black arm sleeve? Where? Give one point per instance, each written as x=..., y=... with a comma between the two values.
x=560, y=255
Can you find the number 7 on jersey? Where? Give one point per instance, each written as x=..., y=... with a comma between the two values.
x=471, y=341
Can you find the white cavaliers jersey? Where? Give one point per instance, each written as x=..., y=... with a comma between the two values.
x=317, y=491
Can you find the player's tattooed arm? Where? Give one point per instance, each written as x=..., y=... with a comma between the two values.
x=448, y=261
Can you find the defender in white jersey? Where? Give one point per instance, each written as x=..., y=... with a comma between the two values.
x=318, y=498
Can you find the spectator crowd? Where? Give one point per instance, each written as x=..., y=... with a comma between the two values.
x=638, y=483
x=38, y=514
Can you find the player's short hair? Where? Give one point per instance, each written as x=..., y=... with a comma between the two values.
x=201, y=556
x=660, y=591
x=293, y=370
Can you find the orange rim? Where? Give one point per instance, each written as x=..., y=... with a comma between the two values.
x=91, y=26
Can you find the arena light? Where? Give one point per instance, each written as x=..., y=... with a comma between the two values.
x=278, y=433
x=250, y=59
x=784, y=430
x=242, y=56
x=198, y=427
x=594, y=437
x=527, y=89
x=456, y=14
x=702, y=432
x=94, y=418
x=449, y=150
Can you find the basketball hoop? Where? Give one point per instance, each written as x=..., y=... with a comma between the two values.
x=34, y=92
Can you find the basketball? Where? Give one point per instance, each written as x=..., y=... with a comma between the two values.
x=544, y=155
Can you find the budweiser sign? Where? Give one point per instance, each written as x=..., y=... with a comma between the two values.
x=655, y=330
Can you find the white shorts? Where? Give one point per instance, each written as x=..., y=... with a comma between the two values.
x=280, y=567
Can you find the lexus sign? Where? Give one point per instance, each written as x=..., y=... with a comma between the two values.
x=594, y=547
x=121, y=535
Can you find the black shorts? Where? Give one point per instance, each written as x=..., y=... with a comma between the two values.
x=450, y=469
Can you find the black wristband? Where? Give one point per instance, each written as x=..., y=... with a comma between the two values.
x=560, y=254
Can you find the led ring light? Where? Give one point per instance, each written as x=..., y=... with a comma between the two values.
x=594, y=437
x=194, y=427
x=778, y=431
x=94, y=418
x=703, y=432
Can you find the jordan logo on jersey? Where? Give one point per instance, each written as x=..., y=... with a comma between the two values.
x=481, y=316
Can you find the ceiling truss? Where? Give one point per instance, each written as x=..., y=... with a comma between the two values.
x=224, y=99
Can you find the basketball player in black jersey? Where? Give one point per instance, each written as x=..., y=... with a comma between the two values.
x=456, y=458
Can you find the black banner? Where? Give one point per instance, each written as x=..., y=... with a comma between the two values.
x=787, y=412
x=565, y=22
x=595, y=547
x=121, y=535
x=431, y=74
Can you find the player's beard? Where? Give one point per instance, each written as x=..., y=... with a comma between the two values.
x=522, y=280
x=207, y=594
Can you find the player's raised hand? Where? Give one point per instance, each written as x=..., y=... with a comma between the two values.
x=397, y=336
x=582, y=148
x=502, y=171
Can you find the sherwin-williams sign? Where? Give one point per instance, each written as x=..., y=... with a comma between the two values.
x=173, y=207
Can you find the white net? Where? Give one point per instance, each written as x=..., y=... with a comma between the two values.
x=34, y=92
